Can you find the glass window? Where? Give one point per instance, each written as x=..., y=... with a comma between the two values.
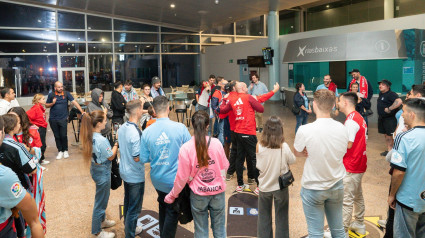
x=28, y=47
x=13, y=15
x=289, y=22
x=132, y=26
x=73, y=61
x=222, y=30
x=99, y=36
x=27, y=35
x=37, y=73
x=138, y=68
x=135, y=37
x=136, y=48
x=72, y=35
x=72, y=47
x=98, y=23
x=178, y=70
x=100, y=72
x=166, y=29
x=251, y=27
x=100, y=48
x=174, y=38
x=409, y=7
x=67, y=20
x=179, y=48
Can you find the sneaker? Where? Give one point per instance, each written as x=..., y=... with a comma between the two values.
x=257, y=191
x=229, y=177
x=358, y=227
x=65, y=154
x=139, y=230
x=240, y=189
x=44, y=168
x=257, y=130
x=105, y=234
x=44, y=162
x=251, y=181
x=261, y=130
x=382, y=223
x=384, y=153
x=60, y=155
x=108, y=223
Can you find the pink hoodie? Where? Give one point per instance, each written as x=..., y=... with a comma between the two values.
x=206, y=181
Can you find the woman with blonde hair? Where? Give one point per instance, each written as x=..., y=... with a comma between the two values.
x=37, y=117
x=97, y=149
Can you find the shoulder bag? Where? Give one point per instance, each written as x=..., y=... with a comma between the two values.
x=287, y=178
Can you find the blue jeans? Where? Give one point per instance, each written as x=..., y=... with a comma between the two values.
x=221, y=131
x=408, y=224
x=317, y=203
x=216, y=205
x=133, y=199
x=302, y=119
x=168, y=218
x=101, y=174
x=216, y=125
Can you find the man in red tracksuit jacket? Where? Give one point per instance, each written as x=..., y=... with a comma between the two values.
x=242, y=107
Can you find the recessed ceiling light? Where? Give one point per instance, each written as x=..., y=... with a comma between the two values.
x=327, y=6
x=172, y=5
x=39, y=20
x=148, y=46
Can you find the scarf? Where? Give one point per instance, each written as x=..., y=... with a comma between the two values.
x=332, y=87
x=363, y=85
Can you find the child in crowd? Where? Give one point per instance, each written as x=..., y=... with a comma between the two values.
x=153, y=116
x=37, y=117
x=99, y=152
x=273, y=159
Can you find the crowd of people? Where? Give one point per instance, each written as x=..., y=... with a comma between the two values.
x=225, y=125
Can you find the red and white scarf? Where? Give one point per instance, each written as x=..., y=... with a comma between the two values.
x=363, y=86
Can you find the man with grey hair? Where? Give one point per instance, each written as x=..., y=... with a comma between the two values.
x=159, y=146
x=156, y=89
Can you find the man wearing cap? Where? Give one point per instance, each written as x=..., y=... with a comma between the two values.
x=388, y=105
x=156, y=89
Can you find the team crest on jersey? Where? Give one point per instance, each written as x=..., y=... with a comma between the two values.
x=396, y=157
x=16, y=190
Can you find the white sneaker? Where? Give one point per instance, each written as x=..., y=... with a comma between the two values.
x=44, y=162
x=44, y=168
x=108, y=223
x=60, y=155
x=65, y=154
x=139, y=230
x=105, y=234
x=382, y=223
x=327, y=234
x=358, y=227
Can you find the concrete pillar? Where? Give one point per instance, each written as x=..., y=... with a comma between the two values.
x=388, y=9
x=273, y=37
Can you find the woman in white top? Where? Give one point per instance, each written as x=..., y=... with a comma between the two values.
x=273, y=158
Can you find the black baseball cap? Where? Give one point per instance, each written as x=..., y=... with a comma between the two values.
x=354, y=71
x=386, y=82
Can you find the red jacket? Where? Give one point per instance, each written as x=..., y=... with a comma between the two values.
x=35, y=140
x=37, y=115
x=261, y=98
x=244, y=107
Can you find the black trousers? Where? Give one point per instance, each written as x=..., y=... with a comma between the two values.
x=389, y=227
x=42, y=131
x=60, y=131
x=246, y=145
x=232, y=156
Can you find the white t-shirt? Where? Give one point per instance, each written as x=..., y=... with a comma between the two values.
x=326, y=141
x=4, y=106
x=352, y=128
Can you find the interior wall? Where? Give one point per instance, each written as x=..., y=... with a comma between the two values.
x=216, y=59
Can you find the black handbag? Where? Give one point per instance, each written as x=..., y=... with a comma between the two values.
x=116, y=180
x=287, y=178
x=295, y=110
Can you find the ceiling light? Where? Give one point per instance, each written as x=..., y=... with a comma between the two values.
x=103, y=40
x=148, y=46
x=39, y=20
x=327, y=6
x=216, y=1
x=172, y=5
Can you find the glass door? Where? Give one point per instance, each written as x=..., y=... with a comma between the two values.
x=73, y=80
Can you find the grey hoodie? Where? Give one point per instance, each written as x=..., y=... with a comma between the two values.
x=96, y=105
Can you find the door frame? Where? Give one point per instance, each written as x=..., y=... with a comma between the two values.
x=73, y=69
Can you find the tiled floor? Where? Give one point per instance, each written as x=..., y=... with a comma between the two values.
x=70, y=189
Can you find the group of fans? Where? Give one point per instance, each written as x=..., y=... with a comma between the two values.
x=139, y=128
